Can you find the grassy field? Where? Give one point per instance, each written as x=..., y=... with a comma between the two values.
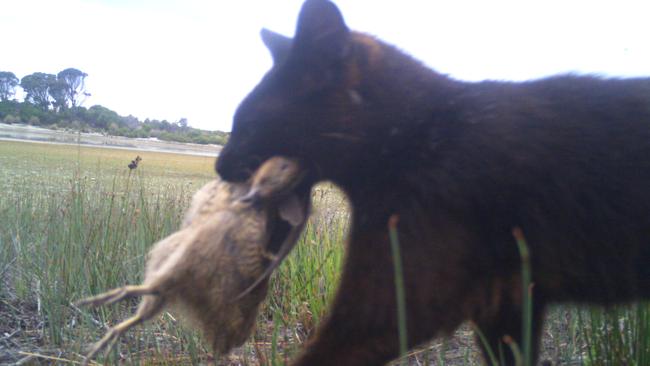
x=74, y=221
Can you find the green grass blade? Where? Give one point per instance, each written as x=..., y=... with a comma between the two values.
x=399, y=285
x=527, y=297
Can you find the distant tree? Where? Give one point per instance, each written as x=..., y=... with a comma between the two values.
x=182, y=123
x=36, y=86
x=102, y=117
x=75, y=85
x=131, y=121
x=29, y=113
x=57, y=90
x=9, y=107
x=8, y=83
x=165, y=126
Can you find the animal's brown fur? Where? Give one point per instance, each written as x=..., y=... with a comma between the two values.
x=216, y=267
x=565, y=158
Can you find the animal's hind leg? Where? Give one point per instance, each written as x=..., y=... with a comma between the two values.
x=111, y=336
x=116, y=295
x=149, y=307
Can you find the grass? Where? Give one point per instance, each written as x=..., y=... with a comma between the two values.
x=400, y=296
x=618, y=336
x=527, y=301
x=75, y=222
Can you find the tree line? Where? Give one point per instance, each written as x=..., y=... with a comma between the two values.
x=54, y=101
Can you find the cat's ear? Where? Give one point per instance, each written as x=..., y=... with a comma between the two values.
x=278, y=45
x=321, y=30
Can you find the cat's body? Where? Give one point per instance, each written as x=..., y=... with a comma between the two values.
x=565, y=159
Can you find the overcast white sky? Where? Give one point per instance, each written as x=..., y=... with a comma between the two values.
x=168, y=59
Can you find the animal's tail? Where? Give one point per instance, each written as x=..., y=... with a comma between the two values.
x=116, y=295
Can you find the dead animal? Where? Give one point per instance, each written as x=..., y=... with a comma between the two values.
x=216, y=268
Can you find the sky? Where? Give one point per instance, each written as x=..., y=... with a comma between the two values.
x=172, y=59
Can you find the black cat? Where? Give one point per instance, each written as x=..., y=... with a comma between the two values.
x=566, y=159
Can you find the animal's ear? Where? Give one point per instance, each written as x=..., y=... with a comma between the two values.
x=322, y=30
x=278, y=45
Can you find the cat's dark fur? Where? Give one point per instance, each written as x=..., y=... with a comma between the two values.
x=566, y=159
